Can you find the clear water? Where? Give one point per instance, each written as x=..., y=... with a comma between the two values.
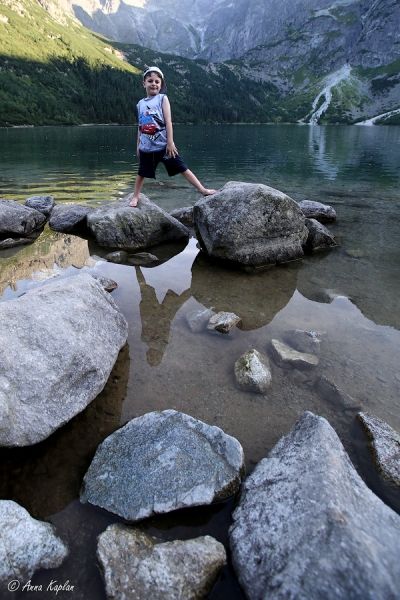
x=351, y=294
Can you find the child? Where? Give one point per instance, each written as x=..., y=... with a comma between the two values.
x=155, y=141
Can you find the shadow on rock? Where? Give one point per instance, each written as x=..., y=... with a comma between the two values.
x=46, y=477
x=255, y=297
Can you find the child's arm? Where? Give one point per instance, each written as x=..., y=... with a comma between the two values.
x=166, y=108
x=138, y=141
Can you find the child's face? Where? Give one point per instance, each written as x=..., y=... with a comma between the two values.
x=152, y=84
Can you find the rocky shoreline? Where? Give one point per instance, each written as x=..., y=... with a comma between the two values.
x=304, y=523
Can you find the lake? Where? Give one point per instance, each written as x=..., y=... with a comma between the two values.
x=350, y=294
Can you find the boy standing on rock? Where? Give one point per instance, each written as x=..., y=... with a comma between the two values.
x=155, y=142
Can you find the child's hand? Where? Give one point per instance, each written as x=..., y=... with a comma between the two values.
x=171, y=150
x=137, y=152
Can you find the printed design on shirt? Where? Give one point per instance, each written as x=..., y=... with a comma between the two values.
x=150, y=123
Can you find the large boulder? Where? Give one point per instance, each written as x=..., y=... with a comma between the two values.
x=307, y=526
x=70, y=218
x=250, y=224
x=25, y=545
x=17, y=220
x=58, y=344
x=178, y=570
x=160, y=462
x=43, y=204
x=118, y=225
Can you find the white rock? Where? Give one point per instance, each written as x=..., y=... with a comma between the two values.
x=252, y=372
x=223, y=322
x=285, y=356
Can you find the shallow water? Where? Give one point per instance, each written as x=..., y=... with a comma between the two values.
x=350, y=294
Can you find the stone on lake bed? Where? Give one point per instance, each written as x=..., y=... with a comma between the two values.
x=316, y=210
x=319, y=236
x=17, y=220
x=11, y=242
x=160, y=462
x=328, y=390
x=197, y=321
x=385, y=446
x=118, y=225
x=252, y=372
x=304, y=341
x=107, y=284
x=142, y=258
x=43, y=204
x=26, y=544
x=307, y=526
x=59, y=343
x=250, y=224
x=223, y=322
x=284, y=356
x=136, y=565
x=118, y=257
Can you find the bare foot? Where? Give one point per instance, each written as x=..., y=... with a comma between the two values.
x=133, y=202
x=208, y=192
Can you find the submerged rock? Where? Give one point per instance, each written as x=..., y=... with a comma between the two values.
x=43, y=204
x=307, y=526
x=11, y=242
x=319, y=237
x=136, y=565
x=304, y=341
x=118, y=257
x=316, y=210
x=17, y=220
x=26, y=544
x=250, y=224
x=284, y=356
x=160, y=462
x=107, y=284
x=118, y=225
x=197, y=321
x=385, y=446
x=183, y=215
x=142, y=258
x=59, y=344
x=252, y=372
x=70, y=218
x=328, y=390
x=223, y=322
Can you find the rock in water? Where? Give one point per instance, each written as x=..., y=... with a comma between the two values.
x=160, y=462
x=26, y=544
x=285, y=357
x=18, y=220
x=223, y=322
x=197, y=321
x=304, y=341
x=307, y=526
x=316, y=210
x=252, y=372
x=118, y=225
x=58, y=345
x=250, y=224
x=136, y=565
x=70, y=218
x=385, y=446
x=183, y=215
x=43, y=204
x=319, y=237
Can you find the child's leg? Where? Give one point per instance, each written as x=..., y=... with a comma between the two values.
x=191, y=178
x=138, y=186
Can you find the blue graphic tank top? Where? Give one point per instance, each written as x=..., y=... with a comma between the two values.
x=153, y=135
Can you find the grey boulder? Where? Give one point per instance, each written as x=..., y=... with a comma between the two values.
x=26, y=545
x=160, y=462
x=250, y=224
x=58, y=345
x=70, y=218
x=183, y=215
x=222, y=322
x=319, y=237
x=43, y=204
x=118, y=225
x=17, y=220
x=307, y=526
x=316, y=210
x=136, y=565
x=385, y=446
x=252, y=372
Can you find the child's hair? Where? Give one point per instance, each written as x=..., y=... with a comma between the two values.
x=160, y=73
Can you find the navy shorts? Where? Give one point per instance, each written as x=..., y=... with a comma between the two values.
x=149, y=162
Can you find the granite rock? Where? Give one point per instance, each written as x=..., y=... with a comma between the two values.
x=118, y=225
x=160, y=462
x=11, y=242
x=304, y=341
x=328, y=390
x=43, y=204
x=316, y=210
x=250, y=224
x=222, y=322
x=59, y=343
x=70, y=218
x=252, y=372
x=319, y=236
x=284, y=356
x=307, y=526
x=26, y=544
x=385, y=446
x=136, y=565
x=183, y=215
x=197, y=321
x=17, y=220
